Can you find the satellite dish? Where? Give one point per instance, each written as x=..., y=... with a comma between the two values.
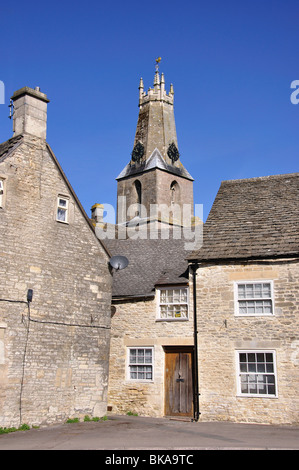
x=119, y=262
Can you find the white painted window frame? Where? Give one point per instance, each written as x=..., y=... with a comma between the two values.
x=159, y=303
x=255, y=314
x=239, y=373
x=65, y=208
x=129, y=364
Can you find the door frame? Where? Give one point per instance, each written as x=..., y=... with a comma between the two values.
x=179, y=349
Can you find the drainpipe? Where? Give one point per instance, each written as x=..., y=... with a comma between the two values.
x=196, y=413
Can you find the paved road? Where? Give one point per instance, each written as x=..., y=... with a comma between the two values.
x=136, y=432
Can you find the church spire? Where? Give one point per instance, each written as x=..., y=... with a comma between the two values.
x=154, y=173
x=156, y=125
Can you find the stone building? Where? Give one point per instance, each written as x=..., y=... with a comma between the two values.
x=152, y=337
x=210, y=334
x=54, y=349
x=155, y=178
x=151, y=324
x=198, y=329
x=247, y=288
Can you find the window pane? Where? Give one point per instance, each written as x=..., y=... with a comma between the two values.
x=251, y=357
x=184, y=295
x=133, y=356
x=251, y=368
x=140, y=357
x=260, y=357
x=241, y=291
x=62, y=202
x=169, y=296
x=261, y=379
x=258, y=297
x=61, y=214
x=249, y=291
x=251, y=307
x=163, y=296
x=148, y=356
x=184, y=311
x=259, y=308
x=266, y=290
x=243, y=357
x=133, y=372
x=173, y=303
x=267, y=306
x=176, y=296
x=163, y=311
x=269, y=357
x=261, y=368
x=257, y=290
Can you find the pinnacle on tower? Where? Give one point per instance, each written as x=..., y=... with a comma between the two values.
x=156, y=125
x=154, y=173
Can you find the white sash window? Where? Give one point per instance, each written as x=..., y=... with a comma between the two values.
x=254, y=298
x=173, y=303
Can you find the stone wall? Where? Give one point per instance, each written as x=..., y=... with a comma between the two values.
x=221, y=333
x=156, y=189
x=53, y=358
x=134, y=324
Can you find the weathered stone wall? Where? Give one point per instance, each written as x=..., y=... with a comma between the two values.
x=221, y=333
x=134, y=323
x=156, y=190
x=53, y=365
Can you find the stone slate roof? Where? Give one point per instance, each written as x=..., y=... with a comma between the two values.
x=154, y=161
x=151, y=262
x=253, y=218
x=9, y=145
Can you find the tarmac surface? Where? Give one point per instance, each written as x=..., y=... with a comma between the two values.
x=131, y=433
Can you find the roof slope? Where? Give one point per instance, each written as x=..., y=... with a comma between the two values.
x=9, y=145
x=251, y=218
x=151, y=262
x=154, y=161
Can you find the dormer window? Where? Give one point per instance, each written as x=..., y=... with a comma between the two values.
x=1, y=193
x=62, y=209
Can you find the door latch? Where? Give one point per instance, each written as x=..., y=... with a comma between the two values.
x=180, y=379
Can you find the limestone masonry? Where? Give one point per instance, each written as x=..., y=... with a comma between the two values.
x=208, y=333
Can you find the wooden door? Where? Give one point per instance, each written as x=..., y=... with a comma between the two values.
x=178, y=382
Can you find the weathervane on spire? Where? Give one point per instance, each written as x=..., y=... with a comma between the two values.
x=157, y=63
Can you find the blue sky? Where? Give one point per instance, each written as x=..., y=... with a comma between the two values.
x=231, y=63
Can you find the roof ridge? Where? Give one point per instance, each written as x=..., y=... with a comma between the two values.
x=261, y=178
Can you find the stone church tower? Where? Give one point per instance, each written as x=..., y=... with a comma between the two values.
x=154, y=178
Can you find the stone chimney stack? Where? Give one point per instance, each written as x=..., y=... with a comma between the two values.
x=97, y=213
x=30, y=112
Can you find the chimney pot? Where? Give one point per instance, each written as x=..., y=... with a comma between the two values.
x=97, y=213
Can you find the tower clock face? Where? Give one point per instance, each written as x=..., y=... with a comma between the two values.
x=138, y=152
x=173, y=152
